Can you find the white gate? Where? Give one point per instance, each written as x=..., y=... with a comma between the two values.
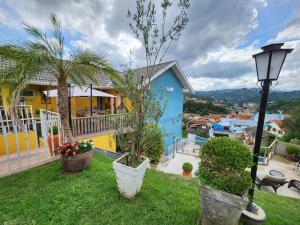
x=21, y=145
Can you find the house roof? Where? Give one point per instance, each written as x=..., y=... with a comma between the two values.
x=244, y=116
x=216, y=116
x=278, y=122
x=158, y=69
x=47, y=78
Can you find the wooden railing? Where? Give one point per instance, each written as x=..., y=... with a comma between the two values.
x=100, y=124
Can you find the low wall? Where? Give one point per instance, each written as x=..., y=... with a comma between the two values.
x=281, y=147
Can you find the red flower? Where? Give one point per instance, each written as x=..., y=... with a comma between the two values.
x=67, y=153
x=58, y=148
x=74, y=153
x=68, y=145
x=76, y=148
x=72, y=144
x=64, y=146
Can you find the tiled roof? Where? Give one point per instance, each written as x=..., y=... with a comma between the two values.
x=48, y=78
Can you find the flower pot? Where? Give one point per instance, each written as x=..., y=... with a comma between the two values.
x=186, y=174
x=219, y=207
x=129, y=179
x=291, y=157
x=76, y=163
x=55, y=143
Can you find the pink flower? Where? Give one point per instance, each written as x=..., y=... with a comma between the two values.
x=72, y=144
x=77, y=148
x=74, y=153
x=68, y=145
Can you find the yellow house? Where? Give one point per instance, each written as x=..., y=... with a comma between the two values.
x=38, y=96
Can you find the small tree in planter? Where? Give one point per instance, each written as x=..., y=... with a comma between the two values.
x=75, y=157
x=187, y=169
x=144, y=105
x=223, y=180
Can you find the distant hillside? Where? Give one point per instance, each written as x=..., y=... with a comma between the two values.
x=246, y=95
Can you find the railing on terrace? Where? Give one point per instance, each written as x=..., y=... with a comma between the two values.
x=99, y=124
x=20, y=143
x=268, y=153
x=189, y=146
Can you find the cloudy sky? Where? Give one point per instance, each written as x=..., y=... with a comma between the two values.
x=214, y=51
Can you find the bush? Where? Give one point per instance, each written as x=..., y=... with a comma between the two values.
x=187, y=167
x=223, y=164
x=203, y=133
x=286, y=137
x=54, y=130
x=292, y=150
x=269, y=139
x=154, y=146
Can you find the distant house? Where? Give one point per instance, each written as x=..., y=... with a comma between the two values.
x=250, y=133
x=244, y=116
x=270, y=117
x=215, y=117
x=275, y=127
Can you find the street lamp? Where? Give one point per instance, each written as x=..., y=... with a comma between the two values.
x=268, y=65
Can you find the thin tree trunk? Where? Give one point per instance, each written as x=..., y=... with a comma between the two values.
x=63, y=108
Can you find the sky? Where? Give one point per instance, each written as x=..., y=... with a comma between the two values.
x=214, y=51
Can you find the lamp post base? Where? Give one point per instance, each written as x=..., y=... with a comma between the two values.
x=256, y=217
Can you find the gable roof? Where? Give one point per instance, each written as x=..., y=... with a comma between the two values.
x=47, y=78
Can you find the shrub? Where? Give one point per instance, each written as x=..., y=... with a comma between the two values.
x=54, y=130
x=269, y=139
x=187, y=167
x=286, y=137
x=292, y=150
x=203, y=133
x=154, y=145
x=223, y=164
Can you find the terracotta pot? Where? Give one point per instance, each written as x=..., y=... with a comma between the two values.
x=291, y=157
x=55, y=143
x=76, y=163
x=186, y=174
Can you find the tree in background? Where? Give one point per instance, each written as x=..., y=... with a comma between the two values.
x=292, y=124
x=46, y=52
x=156, y=34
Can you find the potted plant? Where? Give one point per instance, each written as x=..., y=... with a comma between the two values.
x=291, y=152
x=75, y=157
x=54, y=136
x=187, y=169
x=224, y=180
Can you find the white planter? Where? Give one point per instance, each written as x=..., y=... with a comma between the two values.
x=130, y=179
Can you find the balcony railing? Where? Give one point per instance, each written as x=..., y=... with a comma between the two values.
x=100, y=124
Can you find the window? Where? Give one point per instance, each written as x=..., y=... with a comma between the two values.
x=27, y=93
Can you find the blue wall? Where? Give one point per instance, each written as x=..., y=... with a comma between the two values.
x=171, y=121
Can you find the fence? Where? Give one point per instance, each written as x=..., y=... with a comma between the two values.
x=191, y=145
x=20, y=143
x=268, y=152
x=100, y=124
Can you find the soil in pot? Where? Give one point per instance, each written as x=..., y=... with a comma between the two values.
x=131, y=161
x=77, y=163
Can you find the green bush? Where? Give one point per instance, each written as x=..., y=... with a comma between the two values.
x=286, y=137
x=269, y=139
x=203, y=133
x=154, y=145
x=187, y=167
x=292, y=150
x=223, y=164
x=54, y=130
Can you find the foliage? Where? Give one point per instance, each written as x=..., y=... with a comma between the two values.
x=146, y=106
x=36, y=190
x=269, y=139
x=284, y=105
x=73, y=149
x=187, y=167
x=292, y=150
x=155, y=147
x=287, y=137
x=47, y=51
x=54, y=130
x=223, y=164
x=292, y=123
x=203, y=108
x=203, y=133
x=295, y=141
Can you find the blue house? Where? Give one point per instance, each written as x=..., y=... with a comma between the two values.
x=169, y=79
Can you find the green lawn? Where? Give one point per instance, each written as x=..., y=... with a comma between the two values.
x=45, y=196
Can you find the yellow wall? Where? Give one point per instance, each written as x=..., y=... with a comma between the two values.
x=12, y=146
x=105, y=142
x=82, y=103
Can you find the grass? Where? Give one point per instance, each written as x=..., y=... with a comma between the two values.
x=44, y=195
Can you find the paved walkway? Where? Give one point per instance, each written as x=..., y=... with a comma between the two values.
x=174, y=166
x=288, y=168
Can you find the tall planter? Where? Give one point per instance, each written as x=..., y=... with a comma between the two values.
x=219, y=207
x=77, y=163
x=129, y=179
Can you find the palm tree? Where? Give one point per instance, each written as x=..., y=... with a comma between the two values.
x=45, y=52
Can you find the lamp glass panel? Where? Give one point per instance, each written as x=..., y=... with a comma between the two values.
x=262, y=61
x=276, y=63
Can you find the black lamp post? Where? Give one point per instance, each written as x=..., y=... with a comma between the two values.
x=268, y=65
